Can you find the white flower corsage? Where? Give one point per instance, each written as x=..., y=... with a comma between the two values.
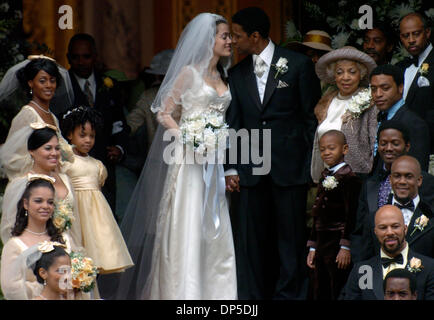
x=281, y=66
x=423, y=70
x=330, y=183
x=359, y=103
x=420, y=223
x=415, y=265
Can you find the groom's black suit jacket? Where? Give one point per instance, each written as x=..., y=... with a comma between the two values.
x=424, y=279
x=421, y=99
x=287, y=111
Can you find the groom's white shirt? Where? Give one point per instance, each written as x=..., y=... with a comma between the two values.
x=267, y=56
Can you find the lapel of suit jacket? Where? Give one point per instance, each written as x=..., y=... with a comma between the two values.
x=378, y=277
x=372, y=186
x=271, y=81
x=412, y=91
x=250, y=77
x=422, y=209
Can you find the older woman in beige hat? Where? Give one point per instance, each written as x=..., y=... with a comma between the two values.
x=347, y=68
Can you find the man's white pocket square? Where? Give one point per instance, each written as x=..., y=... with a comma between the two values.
x=423, y=82
x=281, y=84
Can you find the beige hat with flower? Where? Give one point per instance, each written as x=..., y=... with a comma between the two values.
x=344, y=53
x=315, y=39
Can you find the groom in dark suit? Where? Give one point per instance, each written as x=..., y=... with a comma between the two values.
x=366, y=278
x=277, y=89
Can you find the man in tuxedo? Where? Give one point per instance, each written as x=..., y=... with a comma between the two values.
x=386, y=86
x=378, y=43
x=405, y=181
x=366, y=278
x=418, y=90
x=400, y=284
x=92, y=89
x=269, y=218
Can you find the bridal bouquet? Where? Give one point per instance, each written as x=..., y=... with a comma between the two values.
x=63, y=215
x=83, y=272
x=359, y=103
x=205, y=131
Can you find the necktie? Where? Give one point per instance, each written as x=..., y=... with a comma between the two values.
x=384, y=191
x=409, y=205
x=387, y=261
x=382, y=115
x=88, y=93
x=260, y=67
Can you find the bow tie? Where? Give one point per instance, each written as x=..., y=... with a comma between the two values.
x=382, y=115
x=415, y=61
x=387, y=261
x=409, y=205
x=326, y=173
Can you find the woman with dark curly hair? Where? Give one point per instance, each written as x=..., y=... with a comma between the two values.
x=39, y=78
x=33, y=225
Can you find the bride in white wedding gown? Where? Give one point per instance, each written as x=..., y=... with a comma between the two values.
x=183, y=247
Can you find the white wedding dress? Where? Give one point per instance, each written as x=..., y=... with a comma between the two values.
x=186, y=262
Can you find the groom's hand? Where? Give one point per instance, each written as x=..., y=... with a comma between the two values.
x=232, y=183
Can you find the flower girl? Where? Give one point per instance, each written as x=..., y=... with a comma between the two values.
x=102, y=238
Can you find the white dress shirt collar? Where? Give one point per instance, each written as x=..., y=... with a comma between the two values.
x=408, y=214
x=82, y=82
x=424, y=54
x=337, y=167
x=266, y=54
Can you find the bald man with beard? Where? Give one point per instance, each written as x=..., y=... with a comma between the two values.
x=366, y=278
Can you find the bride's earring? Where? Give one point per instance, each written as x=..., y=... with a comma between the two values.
x=45, y=282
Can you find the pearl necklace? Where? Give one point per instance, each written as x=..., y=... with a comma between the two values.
x=40, y=108
x=36, y=233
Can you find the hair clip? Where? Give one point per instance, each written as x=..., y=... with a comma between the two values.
x=72, y=111
x=36, y=176
x=48, y=246
x=40, y=56
x=42, y=125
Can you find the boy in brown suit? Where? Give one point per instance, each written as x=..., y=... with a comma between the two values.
x=334, y=214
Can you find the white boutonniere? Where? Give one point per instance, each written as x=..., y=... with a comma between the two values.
x=359, y=103
x=281, y=66
x=330, y=183
x=415, y=265
x=420, y=223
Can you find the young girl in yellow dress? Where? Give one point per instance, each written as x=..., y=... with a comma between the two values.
x=102, y=237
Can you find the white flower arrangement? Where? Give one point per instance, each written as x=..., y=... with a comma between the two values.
x=330, y=183
x=339, y=40
x=359, y=103
x=206, y=131
x=430, y=13
x=281, y=66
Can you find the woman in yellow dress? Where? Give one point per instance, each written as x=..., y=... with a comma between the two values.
x=39, y=76
x=44, y=151
x=33, y=225
x=102, y=238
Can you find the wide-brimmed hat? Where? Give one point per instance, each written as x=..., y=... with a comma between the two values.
x=315, y=39
x=160, y=62
x=344, y=53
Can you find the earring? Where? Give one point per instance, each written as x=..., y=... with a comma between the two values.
x=25, y=213
x=45, y=282
x=31, y=92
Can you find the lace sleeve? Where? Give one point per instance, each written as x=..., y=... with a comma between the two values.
x=170, y=110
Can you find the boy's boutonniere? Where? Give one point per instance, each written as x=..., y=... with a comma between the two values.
x=108, y=82
x=423, y=70
x=415, y=265
x=420, y=223
x=330, y=183
x=281, y=66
